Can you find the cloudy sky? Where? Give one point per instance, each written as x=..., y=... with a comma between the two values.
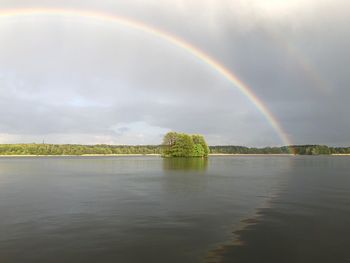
x=67, y=79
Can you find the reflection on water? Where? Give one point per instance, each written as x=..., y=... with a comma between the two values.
x=149, y=209
x=309, y=221
x=185, y=164
x=126, y=209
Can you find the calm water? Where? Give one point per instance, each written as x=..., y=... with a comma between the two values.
x=146, y=209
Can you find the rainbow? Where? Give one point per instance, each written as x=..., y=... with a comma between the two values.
x=180, y=43
x=304, y=63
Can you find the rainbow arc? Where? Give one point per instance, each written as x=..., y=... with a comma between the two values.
x=166, y=36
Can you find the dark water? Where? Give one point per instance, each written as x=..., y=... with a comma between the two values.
x=146, y=209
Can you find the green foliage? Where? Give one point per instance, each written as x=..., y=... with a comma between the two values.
x=69, y=149
x=198, y=150
x=184, y=145
x=194, y=145
x=296, y=149
x=246, y=150
x=314, y=149
x=199, y=140
x=169, y=141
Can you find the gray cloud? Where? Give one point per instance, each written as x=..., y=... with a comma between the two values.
x=74, y=80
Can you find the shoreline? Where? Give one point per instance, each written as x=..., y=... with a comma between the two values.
x=82, y=155
x=250, y=154
x=156, y=154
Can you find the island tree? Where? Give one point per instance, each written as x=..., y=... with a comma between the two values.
x=184, y=145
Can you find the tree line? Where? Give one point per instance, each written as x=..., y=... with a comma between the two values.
x=76, y=149
x=293, y=149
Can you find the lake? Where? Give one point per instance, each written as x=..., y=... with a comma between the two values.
x=149, y=209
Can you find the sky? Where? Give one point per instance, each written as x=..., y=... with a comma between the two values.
x=68, y=79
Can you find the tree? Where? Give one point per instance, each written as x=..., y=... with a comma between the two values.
x=198, y=150
x=169, y=141
x=199, y=139
x=184, y=145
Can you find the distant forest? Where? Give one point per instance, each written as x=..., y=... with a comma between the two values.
x=75, y=149
x=295, y=149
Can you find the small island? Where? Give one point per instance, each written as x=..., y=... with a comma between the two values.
x=184, y=145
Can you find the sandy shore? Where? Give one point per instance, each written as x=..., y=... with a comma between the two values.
x=155, y=154
x=120, y=155
x=83, y=155
x=250, y=154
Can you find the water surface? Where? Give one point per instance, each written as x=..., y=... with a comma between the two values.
x=148, y=209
